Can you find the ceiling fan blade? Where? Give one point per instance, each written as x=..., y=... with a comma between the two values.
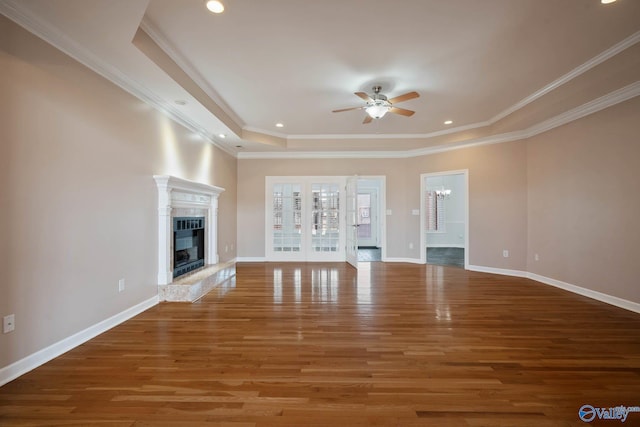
x=364, y=96
x=405, y=97
x=401, y=111
x=347, y=109
x=367, y=120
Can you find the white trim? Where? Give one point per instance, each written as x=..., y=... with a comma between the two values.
x=408, y=260
x=576, y=72
x=623, y=94
x=28, y=363
x=494, y=270
x=445, y=245
x=265, y=132
x=156, y=35
x=21, y=15
x=599, y=296
x=589, y=293
x=251, y=259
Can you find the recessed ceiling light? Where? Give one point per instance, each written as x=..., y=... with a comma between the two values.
x=181, y=102
x=448, y=122
x=222, y=135
x=279, y=125
x=215, y=6
x=606, y=1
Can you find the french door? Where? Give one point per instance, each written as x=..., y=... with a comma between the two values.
x=304, y=219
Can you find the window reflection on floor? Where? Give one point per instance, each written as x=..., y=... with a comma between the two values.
x=363, y=287
x=277, y=286
x=324, y=285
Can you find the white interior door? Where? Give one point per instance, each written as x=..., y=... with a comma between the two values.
x=351, y=221
x=304, y=219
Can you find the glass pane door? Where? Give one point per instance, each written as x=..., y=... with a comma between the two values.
x=304, y=220
x=287, y=218
x=325, y=212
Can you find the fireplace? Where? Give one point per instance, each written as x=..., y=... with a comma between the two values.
x=187, y=226
x=188, y=244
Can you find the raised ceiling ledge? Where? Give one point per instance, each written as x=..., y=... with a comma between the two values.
x=177, y=193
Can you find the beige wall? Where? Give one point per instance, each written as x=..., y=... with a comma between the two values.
x=498, y=199
x=79, y=204
x=570, y=195
x=584, y=202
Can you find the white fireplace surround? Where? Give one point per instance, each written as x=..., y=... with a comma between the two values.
x=181, y=197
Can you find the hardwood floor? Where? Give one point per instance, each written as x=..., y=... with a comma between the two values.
x=322, y=344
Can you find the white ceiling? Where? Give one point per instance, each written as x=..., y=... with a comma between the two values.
x=294, y=61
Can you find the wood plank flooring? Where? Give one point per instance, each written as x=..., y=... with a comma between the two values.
x=324, y=345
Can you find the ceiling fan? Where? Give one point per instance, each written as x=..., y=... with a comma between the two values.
x=378, y=104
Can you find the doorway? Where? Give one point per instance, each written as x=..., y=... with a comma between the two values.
x=444, y=218
x=369, y=219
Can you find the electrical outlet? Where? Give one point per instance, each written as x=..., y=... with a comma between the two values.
x=410, y=245
x=536, y=257
x=120, y=285
x=226, y=248
x=505, y=253
x=8, y=323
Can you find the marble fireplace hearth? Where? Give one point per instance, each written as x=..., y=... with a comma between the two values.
x=193, y=286
x=178, y=197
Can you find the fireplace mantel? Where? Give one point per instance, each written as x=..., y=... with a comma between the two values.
x=202, y=199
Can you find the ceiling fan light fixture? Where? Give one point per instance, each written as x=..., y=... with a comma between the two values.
x=215, y=6
x=377, y=110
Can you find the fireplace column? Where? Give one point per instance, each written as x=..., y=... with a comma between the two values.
x=165, y=274
x=212, y=234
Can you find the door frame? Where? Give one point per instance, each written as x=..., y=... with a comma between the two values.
x=382, y=211
x=423, y=228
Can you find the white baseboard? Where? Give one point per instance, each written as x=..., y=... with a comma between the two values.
x=599, y=296
x=409, y=260
x=26, y=364
x=493, y=270
x=251, y=259
x=609, y=299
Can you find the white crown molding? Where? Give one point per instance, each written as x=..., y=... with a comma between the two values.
x=161, y=40
x=606, y=101
x=579, y=70
x=26, y=364
x=576, y=72
x=388, y=135
x=19, y=13
x=265, y=132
